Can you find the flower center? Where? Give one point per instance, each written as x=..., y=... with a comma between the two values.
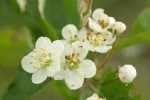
x=74, y=39
x=96, y=39
x=41, y=58
x=103, y=23
x=72, y=62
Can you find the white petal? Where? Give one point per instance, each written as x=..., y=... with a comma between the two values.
x=94, y=26
x=80, y=49
x=111, y=22
x=82, y=34
x=128, y=69
x=39, y=76
x=22, y=4
x=25, y=62
x=88, y=68
x=60, y=75
x=69, y=31
x=68, y=48
x=54, y=67
x=125, y=77
x=110, y=39
x=43, y=42
x=103, y=49
x=89, y=46
x=56, y=48
x=74, y=80
x=94, y=97
x=118, y=27
x=41, y=4
x=97, y=14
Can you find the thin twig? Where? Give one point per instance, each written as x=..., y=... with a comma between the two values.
x=110, y=81
x=94, y=56
x=90, y=86
x=107, y=58
x=84, y=19
x=91, y=2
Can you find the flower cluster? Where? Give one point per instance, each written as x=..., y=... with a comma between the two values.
x=66, y=59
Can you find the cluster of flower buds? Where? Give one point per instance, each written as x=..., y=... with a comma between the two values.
x=66, y=59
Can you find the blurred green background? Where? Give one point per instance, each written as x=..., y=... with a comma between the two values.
x=17, y=30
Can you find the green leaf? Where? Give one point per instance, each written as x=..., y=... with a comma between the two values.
x=14, y=44
x=143, y=37
x=71, y=11
x=9, y=13
x=61, y=88
x=32, y=18
x=115, y=90
x=142, y=23
x=85, y=93
x=61, y=12
x=22, y=88
x=140, y=32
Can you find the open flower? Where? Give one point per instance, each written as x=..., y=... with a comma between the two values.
x=100, y=20
x=71, y=34
x=44, y=60
x=95, y=97
x=75, y=67
x=99, y=41
x=127, y=73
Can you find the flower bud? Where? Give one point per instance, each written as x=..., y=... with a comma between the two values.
x=118, y=28
x=94, y=97
x=127, y=73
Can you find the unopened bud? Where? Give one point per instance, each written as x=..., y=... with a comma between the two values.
x=118, y=28
x=127, y=73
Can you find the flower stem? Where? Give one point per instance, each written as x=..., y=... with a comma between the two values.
x=110, y=81
x=107, y=58
x=94, y=56
x=90, y=86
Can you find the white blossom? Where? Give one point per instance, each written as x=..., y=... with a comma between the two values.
x=102, y=19
x=118, y=28
x=99, y=41
x=44, y=60
x=95, y=97
x=71, y=34
x=94, y=26
x=74, y=67
x=127, y=73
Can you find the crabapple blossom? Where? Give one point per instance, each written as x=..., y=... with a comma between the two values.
x=99, y=42
x=44, y=60
x=74, y=67
x=71, y=34
x=127, y=73
x=98, y=37
x=102, y=19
